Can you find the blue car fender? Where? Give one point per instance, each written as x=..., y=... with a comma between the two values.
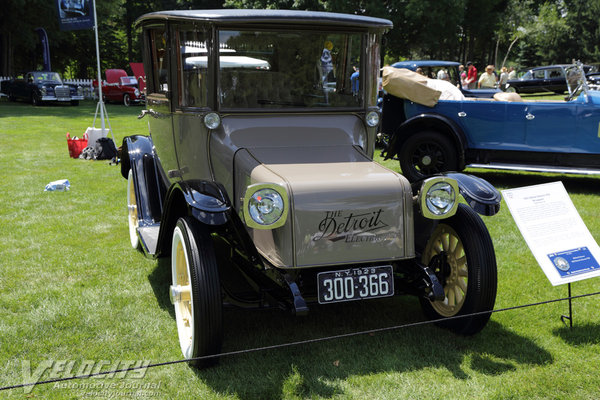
x=429, y=121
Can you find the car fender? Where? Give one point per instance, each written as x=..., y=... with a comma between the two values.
x=205, y=201
x=137, y=155
x=479, y=194
x=434, y=121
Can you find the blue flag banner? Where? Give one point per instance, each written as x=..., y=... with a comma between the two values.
x=75, y=14
x=45, y=48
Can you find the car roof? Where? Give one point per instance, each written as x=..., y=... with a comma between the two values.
x=413, y=64
x=268, y=16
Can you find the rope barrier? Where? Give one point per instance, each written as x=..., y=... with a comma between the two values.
x=297, y=343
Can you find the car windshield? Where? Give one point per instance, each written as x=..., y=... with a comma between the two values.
x=283, y=69
x=128, y=80
x=575, y=79
x=46, y=76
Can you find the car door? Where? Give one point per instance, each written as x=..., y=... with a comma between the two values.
x=588, y=126
x=159, y=103
x=555, y=80
x=550, y=125
x=24, y=87
x=191, y=135
x=493, y=125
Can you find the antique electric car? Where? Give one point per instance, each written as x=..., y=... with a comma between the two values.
x=505, y=132
x=257, y=178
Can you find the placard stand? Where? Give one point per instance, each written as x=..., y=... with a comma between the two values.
x=570, y=316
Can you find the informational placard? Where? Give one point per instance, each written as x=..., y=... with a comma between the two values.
x=75, y=14
x=554, y=231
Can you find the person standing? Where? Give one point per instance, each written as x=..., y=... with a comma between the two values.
x=462, y=76
x=487, y=79
x=471, y=75
x=503, y=78
x=512, y=74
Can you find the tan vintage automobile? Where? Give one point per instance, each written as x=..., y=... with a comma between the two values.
x=257, y=178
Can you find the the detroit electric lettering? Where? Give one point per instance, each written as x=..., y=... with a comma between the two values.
x=352, y=227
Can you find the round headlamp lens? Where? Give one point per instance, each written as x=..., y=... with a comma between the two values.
x=372, y=118
x=212, y=120
x=440, y=198
x=265, y=206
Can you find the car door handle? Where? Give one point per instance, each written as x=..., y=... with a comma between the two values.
x=529, y=116
x=462, y=114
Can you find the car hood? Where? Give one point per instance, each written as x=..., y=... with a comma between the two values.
x=345, y=208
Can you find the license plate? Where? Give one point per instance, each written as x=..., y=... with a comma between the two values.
x=355, y=284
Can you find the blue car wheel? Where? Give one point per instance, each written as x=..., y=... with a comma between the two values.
x=427, y=153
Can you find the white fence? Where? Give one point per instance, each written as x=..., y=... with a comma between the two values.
x=88, y=89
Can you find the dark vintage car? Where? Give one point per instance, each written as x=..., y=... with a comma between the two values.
x=431, y=69
x=41, y=87
x=506, y=132
x=119, y=87
x=552, y=78
x=258, y=183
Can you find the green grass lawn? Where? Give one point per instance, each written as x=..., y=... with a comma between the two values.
x=72, y=289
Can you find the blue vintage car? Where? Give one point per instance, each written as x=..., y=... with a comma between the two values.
x=504, y=132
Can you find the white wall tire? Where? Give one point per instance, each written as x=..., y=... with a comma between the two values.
x=132, y=212
x=195, y=292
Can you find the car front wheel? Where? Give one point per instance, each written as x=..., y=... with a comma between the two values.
x=196, y=292
x=427, y=153
x=126, y=100
x=461, y=254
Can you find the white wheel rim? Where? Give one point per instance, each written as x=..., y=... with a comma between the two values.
x=132, y=212
x=445, y=239
x=181, y=294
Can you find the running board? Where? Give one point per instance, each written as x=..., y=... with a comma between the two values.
x=149, y=238
x=538, y=168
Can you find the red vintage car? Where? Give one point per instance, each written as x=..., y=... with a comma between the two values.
x=121, y=88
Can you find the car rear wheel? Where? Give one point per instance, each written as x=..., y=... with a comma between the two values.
x=427, y=153
x=126, y=99
x=461, y=254
x=132, y=212
x=196, y=292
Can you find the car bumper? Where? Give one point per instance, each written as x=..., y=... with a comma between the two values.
x=54, y=98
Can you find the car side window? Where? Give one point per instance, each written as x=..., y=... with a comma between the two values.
x=193, y=69
x=158, y=44
x=555, y=73
x=539, y=74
